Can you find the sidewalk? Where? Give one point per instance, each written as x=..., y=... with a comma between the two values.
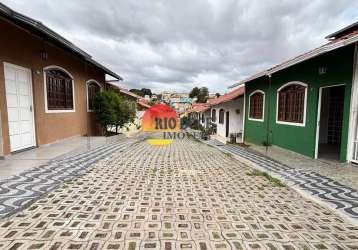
x=17, y=163
x=20, y=190
x=346, y=174
x=310, y=182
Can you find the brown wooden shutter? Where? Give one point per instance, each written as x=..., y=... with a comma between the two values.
x=59, y=90
x=291, y=104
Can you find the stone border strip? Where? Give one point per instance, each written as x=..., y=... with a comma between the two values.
x=342, y=198
x=19, y=191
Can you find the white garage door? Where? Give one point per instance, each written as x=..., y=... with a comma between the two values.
x=19, y=106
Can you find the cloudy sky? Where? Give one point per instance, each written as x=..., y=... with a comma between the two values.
x=178, y=44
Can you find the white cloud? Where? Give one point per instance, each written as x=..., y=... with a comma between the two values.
x=164, y=44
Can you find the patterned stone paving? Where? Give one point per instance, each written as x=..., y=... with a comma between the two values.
x=183, y=196
x=341, y=197
x=21, y=190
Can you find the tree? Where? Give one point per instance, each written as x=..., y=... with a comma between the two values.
x=142, y=92
x=146, y=92
x=217, y=95
x=125, y=111
x=203, y=94
x=137, y=92
x=112, y=110
x=103, y=107
x=194, y=92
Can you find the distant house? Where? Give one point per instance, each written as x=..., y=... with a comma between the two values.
x=227, y=112
x=181, y=104
x=200, y=112
x=47, y=85
x=309, y=104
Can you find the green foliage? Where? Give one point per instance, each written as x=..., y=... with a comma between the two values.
x=142, y=92
x=152, y=102
x=103, y=106
x=201, y=94
x=266, y=144
x=194, y=92
x=137, y=92
x=275, y=182
x=113, y=110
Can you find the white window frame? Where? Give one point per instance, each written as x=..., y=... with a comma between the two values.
x=223, y=116
x=55, y=67
x=263, y=106
x=211, y=115
x=303, y=124
x=87, y=83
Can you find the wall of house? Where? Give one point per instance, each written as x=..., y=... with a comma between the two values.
x=207, y=118
x=1, y=140
x=339, y=64
x=235, y=119
x=21, y=48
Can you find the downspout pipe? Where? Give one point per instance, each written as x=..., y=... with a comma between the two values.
x=268, y=112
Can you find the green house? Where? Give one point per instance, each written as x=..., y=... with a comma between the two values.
x=308, y=104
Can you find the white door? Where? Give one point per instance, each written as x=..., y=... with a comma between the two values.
x=19, y=100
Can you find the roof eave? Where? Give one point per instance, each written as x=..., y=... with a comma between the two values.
x=314, y=53
x=333, y=35
x=41, y=28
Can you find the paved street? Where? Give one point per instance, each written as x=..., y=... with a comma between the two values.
x=184, y=196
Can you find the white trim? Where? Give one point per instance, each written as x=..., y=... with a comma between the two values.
x=263, y=106
x=318, y=127
x=88, y=82
x=353, y=114
x=303, y=124
x=244, y=120
x=34, y=142
x=211, y=115
x=223, y=117
x=45, y=90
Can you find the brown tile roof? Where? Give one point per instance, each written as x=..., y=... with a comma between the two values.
x=202, y=107
x=228, y=96
x=199, y=107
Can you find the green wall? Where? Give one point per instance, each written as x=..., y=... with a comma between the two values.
x=339, y=64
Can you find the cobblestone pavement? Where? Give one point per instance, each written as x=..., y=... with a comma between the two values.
x=341, y=197
x=20, y=190
x=183, y=196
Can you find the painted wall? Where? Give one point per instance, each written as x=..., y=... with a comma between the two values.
x=1, y=140
x=55, y=126
x=339, y=64
x=207, y=118
x=235, y=119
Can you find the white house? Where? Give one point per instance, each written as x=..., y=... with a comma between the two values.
x=227, y=112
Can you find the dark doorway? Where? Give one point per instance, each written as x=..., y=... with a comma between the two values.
x=330, y=123
x=227, y=124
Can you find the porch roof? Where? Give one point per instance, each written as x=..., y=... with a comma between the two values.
x=139, y=100
x=39, y=29
x=228, y=96
x=199, y=107
x=333, y=44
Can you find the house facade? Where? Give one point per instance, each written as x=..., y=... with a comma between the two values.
x=200, y=114
x=304, y=105
x=46, y=85
x=227, y=112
